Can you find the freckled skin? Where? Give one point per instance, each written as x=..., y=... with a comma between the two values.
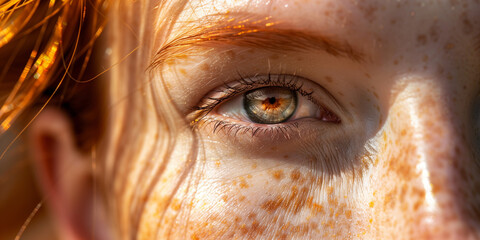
x=421, y=178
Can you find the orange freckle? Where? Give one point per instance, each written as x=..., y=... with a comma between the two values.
x=249, y=176
x=254, y=165
x=449, y=46
x=317, y=208
x=425, y=58
x=194, y=237
x=371, y=204
x=243, y=184
x=329, y=79
x=176, y=204
x=348, y=214
x=241, y=198
x=205, y=67
x=217, y=163
x=295, y=175
x=371, y=220
x=285, y=156
x=277, y=174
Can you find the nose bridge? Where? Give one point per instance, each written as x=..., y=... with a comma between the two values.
x=424, y=151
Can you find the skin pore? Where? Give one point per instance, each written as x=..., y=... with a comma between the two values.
x=401, y=164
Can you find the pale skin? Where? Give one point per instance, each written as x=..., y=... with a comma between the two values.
x=402, y=163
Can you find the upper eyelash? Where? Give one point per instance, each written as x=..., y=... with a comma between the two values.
x=245, y=84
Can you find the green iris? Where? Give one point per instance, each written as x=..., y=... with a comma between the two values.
x=270, y=105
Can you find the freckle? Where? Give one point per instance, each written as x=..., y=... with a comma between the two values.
x=194, y=237
x=393, y=21
x=243, y=183
x=273, y=148
x=425, y=58
x=217, y=163
x=205, y=67
x=176, y=205
x=241, y=198
x=182, y=71
x=340, y=93
x=376, y=95
x=254, y=165
x=371, y=220
x=251, y=50
x=329, y=79
x=422, y=39
x=368, y=75
x=371, y=204
x=295, y=175
x=224, y=198
x=351, y=104
x=348, y=214
x=395, y=62
x=449, y=46
x=433, y=33
x=285, y=156
x=277, y=174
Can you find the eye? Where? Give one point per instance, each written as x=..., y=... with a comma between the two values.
x=265, y=104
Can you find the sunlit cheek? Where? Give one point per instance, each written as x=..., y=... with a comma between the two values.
x=281, y=196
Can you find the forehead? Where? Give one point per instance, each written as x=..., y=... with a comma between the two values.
x=372, y=20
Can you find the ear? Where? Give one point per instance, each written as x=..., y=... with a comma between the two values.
x=66, y=177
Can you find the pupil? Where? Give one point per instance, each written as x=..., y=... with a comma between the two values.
x=272, y=100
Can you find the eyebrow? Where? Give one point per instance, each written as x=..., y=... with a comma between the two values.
x=240, y=29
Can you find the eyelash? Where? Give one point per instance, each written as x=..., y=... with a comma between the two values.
x=209, y=104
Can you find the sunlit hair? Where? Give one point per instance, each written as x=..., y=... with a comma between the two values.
x=47, y=50
x=45, y=45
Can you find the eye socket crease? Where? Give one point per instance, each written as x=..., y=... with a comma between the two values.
x=247, y=30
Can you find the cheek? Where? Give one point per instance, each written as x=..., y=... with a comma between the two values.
x=238, y=195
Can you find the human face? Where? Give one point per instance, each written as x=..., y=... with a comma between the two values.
x=383, y=142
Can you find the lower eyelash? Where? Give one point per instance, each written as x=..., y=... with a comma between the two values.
x=275, y=131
